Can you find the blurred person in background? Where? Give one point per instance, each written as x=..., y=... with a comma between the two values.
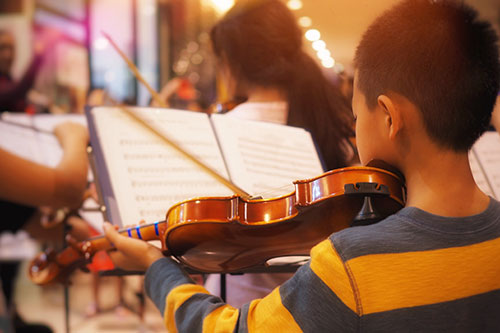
x=24, y=185
x=13, y=94
x=258, y=46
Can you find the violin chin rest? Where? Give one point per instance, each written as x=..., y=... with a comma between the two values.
x=367, y=215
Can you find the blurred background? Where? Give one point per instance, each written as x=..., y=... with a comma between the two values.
x=56, y=50
x=165, y=39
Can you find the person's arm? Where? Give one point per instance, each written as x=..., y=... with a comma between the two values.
x=319, y=297
x=15, y=91
x=29, y=183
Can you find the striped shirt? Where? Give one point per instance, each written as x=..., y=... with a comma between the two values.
x=413, y=271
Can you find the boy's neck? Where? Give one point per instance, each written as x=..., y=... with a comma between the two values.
x=441, y=182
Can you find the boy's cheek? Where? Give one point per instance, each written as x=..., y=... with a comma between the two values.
x=364, y=154
x=369, y=147
x=361, y=143
x=363, y=150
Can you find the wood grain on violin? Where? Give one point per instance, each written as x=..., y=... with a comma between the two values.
x=228, y=234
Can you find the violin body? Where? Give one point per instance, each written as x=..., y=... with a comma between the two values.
x=230, y=234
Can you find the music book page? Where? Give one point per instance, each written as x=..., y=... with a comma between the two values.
x=485, y=163
x=142, y=175
x=41, y=148
x=265, y=158
x=36, y=144
x=43, y=121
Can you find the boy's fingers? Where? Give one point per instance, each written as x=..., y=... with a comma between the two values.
x=128, y=245
x=111, y=233
x=132, y=253
x=119, y=260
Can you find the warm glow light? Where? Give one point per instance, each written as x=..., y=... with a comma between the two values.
x=305, y=21
x=312, y=35
x=328, y=62
x=294, y=4
x=323, y=54
x=101, y=43
x=148, y=10
x=222, y=5
x=319, y=45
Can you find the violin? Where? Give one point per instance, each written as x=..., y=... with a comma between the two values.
x=230, y=234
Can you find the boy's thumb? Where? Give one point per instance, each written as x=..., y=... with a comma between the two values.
x=110, y=232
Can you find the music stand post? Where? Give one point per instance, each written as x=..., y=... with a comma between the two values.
x=66, y=230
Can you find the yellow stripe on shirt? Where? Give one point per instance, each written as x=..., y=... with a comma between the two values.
x=269, y=315
x=329, y=267
x=399, y=280
x=175, y=299
x=222, y=319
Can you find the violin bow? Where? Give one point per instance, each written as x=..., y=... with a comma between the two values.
x=135, y=71
x=236, y=189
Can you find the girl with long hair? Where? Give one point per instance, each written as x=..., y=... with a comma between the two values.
x=258, y=46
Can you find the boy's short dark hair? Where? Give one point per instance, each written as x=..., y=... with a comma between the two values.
x=440, y=56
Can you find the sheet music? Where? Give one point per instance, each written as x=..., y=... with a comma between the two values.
x=18, y=118
x=48, y=122
x=148, y=176
x=486, y=151
x=43, y=121
x=265, y=158
x=40, y=147
x=37, y=147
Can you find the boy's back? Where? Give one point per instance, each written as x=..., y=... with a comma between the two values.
x=426, y=81
x=421, y=272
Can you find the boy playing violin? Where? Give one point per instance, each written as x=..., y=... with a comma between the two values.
x=427, y=75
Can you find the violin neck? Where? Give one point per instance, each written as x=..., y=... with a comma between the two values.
x=89, y=247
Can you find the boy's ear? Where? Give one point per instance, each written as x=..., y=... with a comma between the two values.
x=393, y=118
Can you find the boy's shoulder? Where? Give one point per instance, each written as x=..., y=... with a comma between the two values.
x=412, y=229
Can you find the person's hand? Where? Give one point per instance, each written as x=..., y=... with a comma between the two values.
x=131, y=254
x=52, y=217
x=69, y=133
x=167, y=91
x=96, y=97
